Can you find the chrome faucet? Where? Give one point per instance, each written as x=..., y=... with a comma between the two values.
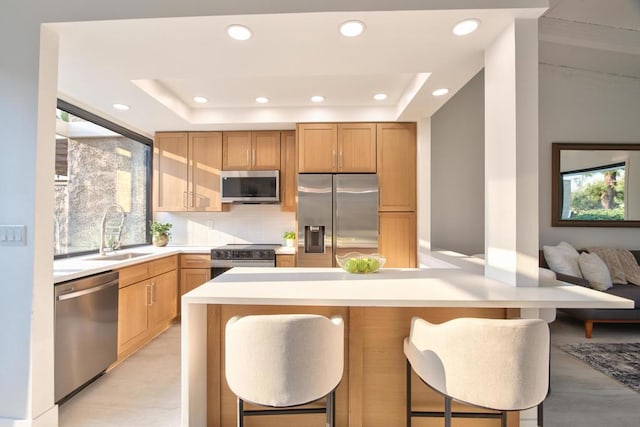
x=113, y=243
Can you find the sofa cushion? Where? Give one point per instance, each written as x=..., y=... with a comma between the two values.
x=631, y=292
x=610, y=257
x=562, y=259
x=595, y=271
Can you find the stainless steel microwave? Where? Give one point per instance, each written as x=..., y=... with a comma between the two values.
x=250, y=186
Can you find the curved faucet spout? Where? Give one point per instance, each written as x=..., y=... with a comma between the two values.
x=115, y=230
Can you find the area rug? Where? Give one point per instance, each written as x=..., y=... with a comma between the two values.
x=619, y=361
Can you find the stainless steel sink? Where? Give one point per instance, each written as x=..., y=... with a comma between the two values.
x=118, y=257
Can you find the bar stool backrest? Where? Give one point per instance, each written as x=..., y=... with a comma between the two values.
x=283, y=360
x=491, y=363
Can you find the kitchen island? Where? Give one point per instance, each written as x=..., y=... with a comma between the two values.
x=377, y=309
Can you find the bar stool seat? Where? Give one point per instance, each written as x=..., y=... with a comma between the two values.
x=282, y=361
x=496, y=364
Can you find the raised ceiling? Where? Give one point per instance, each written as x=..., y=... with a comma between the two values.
x=157, y=65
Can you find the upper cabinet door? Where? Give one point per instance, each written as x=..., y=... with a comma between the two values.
x=357, y=147
x=205, y=162
x=397, y=166
x=236, y=150
x=170, y=178
x=265, y=150
x=317, y=147
x=288, y=186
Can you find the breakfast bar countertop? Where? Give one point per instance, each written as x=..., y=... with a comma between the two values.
x=426, y=287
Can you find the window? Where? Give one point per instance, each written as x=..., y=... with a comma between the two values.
x=595, y=193
x=102, y=175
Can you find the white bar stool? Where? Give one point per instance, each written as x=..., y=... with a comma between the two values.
x=283, y=361
x=496, y=364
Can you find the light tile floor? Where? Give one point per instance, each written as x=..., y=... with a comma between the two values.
x=145, y=389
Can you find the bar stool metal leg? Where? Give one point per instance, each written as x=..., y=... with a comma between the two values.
x=240, y=413
x=447, y=411
x=408, y=394
x=331, y=409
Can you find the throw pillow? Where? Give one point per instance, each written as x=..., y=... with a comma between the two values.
x=562, y=259
x=610, y=258
x=595, y=271
x=630, y=266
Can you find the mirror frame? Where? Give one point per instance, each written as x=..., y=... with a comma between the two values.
x=556, y=185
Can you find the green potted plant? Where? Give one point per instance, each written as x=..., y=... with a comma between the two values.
x=160, y=232
x=289, y=237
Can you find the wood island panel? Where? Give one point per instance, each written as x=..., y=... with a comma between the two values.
x=372, y=391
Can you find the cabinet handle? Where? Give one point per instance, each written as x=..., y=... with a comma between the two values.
x=184, y=199
x=148, y=296
x=253, y=157
x=341, y=160
x=333, y=158
x=154, y=293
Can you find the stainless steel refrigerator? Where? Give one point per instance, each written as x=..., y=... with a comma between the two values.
x=337, y=214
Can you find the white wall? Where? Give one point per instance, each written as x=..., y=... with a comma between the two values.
x=457, y=172
x=242, y=224
x=582, y=106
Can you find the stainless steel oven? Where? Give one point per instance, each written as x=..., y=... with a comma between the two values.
x=226, y=257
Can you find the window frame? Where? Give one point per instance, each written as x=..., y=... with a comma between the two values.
x=128, y=133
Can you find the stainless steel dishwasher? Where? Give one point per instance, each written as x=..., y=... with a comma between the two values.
x=86, y=331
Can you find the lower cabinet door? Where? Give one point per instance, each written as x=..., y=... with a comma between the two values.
x=397, y=240
x=164, y=295
x=132, y=314
x=191, y=278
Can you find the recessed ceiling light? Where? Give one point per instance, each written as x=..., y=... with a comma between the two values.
x=317, y=98
x=440, y=92
x=465, y=27
x=262, y=100
x=122, y=107
x=200, y=99
x=351, y=28
x=380, y=96
x=239, y=32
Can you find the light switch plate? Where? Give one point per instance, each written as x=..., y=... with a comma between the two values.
x=13, y=235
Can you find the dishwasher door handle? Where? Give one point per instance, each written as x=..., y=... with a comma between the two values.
x=77, y=294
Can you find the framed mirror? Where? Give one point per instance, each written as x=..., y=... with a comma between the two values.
x=595, y=185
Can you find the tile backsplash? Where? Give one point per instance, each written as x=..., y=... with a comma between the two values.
x=242, y=224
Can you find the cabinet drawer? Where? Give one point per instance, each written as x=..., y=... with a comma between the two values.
x=195, y=261
x=134, y=273
x=146, y=270
x=164, y=265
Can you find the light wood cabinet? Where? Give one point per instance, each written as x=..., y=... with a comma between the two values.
x=132, y=315
x=285, y=260
x=170, y=171
x=288, y=185
x=396, y=146
x=357, y=147
x=317, y=147
x=164, y=299
x=195, y=269
x=186, y=171
x=397, y=239
x=147, y=302
x=257, y=150
x=329, y=147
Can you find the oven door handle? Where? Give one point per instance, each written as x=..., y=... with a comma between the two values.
x=254, y=263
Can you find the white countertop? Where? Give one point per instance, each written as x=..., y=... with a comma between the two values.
x=445, y=286
x=75, y=267
x=286, y=250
